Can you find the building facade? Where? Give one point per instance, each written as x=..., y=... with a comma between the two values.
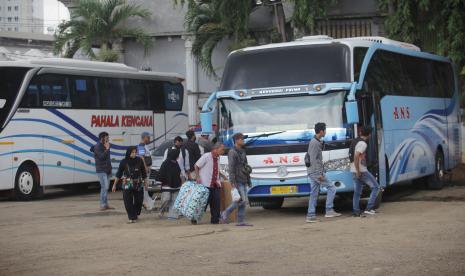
x=21, y=16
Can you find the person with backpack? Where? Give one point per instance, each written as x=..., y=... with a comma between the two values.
x=317, y=176
x=170, y=178
x=194, y=152
x=131, y=172
x=103, y=167
x=358, y=166
x=183, y=157
x=239, y=177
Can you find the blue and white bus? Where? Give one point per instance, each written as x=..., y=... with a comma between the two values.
x=51, y=112
x=276, y=93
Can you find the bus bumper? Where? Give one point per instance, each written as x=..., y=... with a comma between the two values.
x=299, y=187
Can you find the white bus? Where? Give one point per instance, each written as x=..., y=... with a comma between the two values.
x=52, y=110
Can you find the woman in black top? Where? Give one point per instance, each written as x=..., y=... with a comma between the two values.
x=133, y=175
x=170, y=178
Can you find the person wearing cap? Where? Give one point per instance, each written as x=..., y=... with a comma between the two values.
x=204, y=143
x=143, y=152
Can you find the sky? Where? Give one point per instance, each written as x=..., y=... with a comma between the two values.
x=54, y=13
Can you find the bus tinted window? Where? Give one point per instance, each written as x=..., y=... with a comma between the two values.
x=359, y=55
x=173, y=94
x=31, y=98
x=285, y=66
x=54, y=91
x=157, y=97
x=111, y=93
x=136, y=94
x=391, y=73
x=83, y=94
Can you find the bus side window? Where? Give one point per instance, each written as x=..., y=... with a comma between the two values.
x=111, y=93
x=83, y=94
x=54, y=91
x=137, y=98
x=157, y=98
x=31, y=98
x=173, y=96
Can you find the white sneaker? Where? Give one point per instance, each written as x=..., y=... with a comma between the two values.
x=332, y=214
x=370, y=212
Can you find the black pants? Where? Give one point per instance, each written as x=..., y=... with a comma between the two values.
x=133, y=202
x=214, y=201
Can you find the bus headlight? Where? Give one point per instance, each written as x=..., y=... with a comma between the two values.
x=224, y=169
x=342, y=164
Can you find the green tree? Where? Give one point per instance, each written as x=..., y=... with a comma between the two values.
x=212, y=21
x=100, y=23
x=306, y=12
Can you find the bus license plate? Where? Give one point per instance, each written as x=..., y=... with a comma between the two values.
x=281, y=190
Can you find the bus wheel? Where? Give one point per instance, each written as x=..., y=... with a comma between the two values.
x=436, y=180
x=26, y=183
x=273, y=203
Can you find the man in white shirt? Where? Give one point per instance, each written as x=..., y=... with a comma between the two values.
x=361, y=174
x=183, y=158
x=208, y=174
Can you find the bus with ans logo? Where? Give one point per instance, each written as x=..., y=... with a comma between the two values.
x=52, y=110
x=276, y=93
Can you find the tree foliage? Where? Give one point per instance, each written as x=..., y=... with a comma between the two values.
x=99, y=22
x=306, y=12
x=211, y=21
x=444, y=21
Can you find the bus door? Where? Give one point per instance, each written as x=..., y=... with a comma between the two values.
x=370, y=115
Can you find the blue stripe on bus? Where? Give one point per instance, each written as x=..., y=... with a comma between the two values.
x=81, y=128
x=82, y=150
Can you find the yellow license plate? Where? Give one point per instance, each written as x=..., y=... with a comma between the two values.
x=281, y=190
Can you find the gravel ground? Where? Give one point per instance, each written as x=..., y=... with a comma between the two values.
x=417, y=232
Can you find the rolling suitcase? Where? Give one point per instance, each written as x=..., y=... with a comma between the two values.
x=191, y=200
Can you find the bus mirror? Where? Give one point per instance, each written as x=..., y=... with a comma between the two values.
x=2, y=103
x=206, y=119
x=352, y=112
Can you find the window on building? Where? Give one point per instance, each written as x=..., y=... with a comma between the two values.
x=9, y=29
x=16, y=19
x=16, y=8
x=16, y=29
x=9, y=19
x=9, y=8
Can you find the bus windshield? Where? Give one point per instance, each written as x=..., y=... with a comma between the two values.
x=281, y=114
x=287, y=66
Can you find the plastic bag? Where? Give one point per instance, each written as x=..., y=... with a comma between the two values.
x=149, y=203
x=235, y=195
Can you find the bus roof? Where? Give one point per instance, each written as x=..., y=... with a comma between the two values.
x=97, y=68
x=363, y=41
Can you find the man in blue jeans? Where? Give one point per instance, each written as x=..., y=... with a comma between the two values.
x=317, y=176
x=358, y=167
x=239, y=179
x=103, y=167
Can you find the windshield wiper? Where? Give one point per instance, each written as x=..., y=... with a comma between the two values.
x=256, y=137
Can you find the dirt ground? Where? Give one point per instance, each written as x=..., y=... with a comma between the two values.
x=417, y=232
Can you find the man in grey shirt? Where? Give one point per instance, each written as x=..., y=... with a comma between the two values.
x=317, y=176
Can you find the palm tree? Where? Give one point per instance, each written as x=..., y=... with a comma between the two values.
x=100, y=22
x=211, y=21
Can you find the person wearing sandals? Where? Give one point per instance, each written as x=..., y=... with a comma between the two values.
x=133, y=175
x=170, y=178
x=239, y=177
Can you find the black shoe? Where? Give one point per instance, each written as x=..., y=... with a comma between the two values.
x=193, y=221
x=216, y=222
x=358, y=215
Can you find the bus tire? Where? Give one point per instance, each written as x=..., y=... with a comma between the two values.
x=26, y=182
x=273, y=204
x=436, y=180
